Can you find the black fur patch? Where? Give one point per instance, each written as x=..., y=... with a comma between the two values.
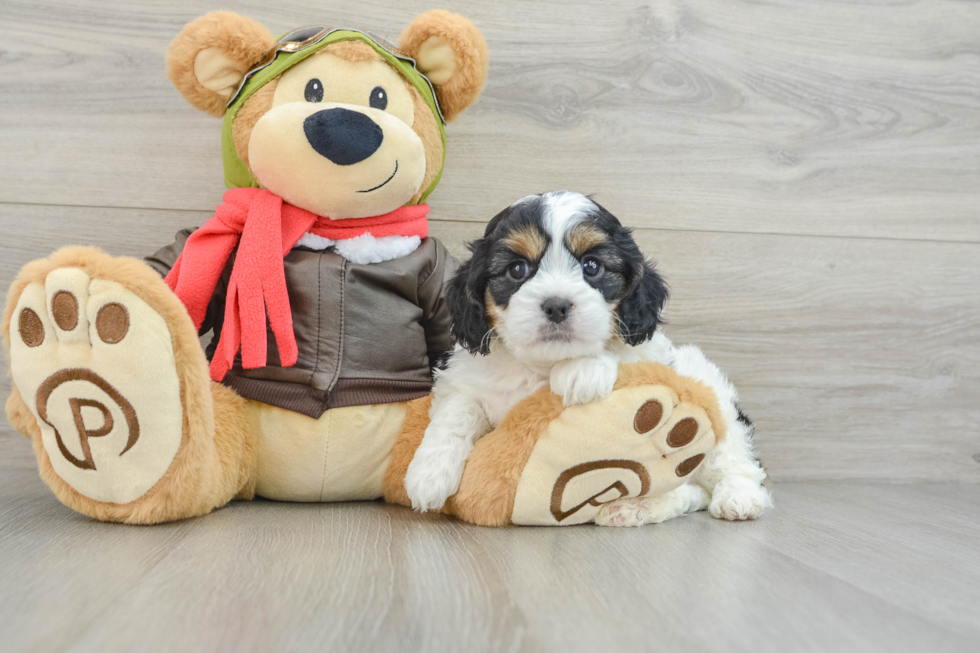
x=627, y=278
x=487, y=269
x=442, y=362
x=749, y=431
x=644, y=292
x=742, y=417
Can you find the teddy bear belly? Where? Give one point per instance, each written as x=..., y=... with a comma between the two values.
x=342, y=456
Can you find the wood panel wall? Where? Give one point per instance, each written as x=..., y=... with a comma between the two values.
x=806, y=174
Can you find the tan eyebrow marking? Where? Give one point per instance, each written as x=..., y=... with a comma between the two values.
x=582, y=238
x=527, y=241
x=492, y=309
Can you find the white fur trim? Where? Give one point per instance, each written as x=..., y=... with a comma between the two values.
x=319, y=243
x=367, y=249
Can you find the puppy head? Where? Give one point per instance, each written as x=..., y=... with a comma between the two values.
x=555, y=276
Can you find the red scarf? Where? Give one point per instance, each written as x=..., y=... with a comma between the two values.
x=264, y=228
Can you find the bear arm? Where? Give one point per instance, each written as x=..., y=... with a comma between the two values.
x=164, y=259
x=436, y=320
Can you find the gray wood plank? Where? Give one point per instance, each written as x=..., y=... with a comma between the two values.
x=61, y=570
x=858, y=118
x=885, y=542
x=858, y=359
x=269, y=576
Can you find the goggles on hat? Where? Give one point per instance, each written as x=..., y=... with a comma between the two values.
x=306, y=37
x=295, y=46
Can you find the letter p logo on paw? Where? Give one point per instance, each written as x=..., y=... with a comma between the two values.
x=76, y=404
x=95, y=364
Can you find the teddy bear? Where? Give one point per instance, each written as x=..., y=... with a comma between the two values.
x=324, y=297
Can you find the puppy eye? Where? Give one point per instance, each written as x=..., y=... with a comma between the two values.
x=591, y=267
x=379, y=98
x=314, y=90
x=518, y=270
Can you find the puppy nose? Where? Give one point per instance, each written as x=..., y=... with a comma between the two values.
x=556, y=309
x=345, y=137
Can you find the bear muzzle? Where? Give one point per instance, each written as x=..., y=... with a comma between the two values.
x=343, y=136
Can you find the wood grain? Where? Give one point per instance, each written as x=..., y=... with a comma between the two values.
x=807, y=175
x=857, y=358
x=857, y=118
x=833, y=567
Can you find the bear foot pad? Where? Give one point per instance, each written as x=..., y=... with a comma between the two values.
x=639, y=441
x=95, y=365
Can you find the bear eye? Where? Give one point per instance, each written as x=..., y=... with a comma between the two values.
x=518, y=270
x=591, y=266
x=379, y=98
x=314, y=90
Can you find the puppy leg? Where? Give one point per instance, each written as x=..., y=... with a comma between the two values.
x=435, y=472
x=732, y=472
x=653, y=510
x=581, y=380
x=735, y=477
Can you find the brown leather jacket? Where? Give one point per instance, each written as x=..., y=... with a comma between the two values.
x=367, y=334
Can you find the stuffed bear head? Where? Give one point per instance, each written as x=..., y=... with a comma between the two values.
x=334, y=121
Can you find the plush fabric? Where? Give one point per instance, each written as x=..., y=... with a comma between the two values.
x=200, y=443
x=347, y=355
x=341, y=456
x=425, y=123
x=545, y=464
x=94, y=407
x=233, y=448
x=237, y=173
x=281, y=154
x=243, y=42
x=467, y=72
x=214, y=462
x=264, y=229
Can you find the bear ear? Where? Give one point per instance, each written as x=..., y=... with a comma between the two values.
x=451, y=52
x=209, y=58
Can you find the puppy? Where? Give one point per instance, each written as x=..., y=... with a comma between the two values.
x=558, y=293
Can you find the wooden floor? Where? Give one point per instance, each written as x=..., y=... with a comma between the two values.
x=806, y=174
x=837, y=567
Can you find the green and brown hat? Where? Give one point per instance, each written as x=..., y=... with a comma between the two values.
x=295, y=46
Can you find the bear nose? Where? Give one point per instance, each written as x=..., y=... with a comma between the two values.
x=556, y=309
x=345, y=137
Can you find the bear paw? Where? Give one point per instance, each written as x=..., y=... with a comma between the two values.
x=640, y=441
x=96, y=367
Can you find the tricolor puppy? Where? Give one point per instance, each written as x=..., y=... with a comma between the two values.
x=557, y=292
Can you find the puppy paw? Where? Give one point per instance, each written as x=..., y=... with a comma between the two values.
x=625, y=513
x=432, y=477
x=581, y=380
x=737, y=498
x=653, y=510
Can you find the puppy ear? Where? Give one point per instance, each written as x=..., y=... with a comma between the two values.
x=466, y=300
x=639, y=312
x=452, y=53
x=640, y=309
x=209, y=58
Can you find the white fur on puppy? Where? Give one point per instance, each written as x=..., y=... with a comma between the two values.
x=534, y=306
x=581, y=380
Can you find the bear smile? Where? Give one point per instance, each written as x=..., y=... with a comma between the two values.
x=394, y=172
